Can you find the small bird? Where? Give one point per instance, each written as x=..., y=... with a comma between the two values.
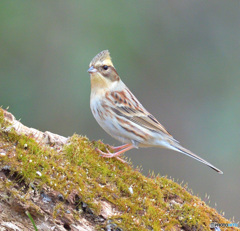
x=122, y=116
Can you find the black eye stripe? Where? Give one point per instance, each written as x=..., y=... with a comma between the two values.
x=109, y=72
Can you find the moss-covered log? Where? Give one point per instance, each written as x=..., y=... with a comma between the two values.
x=65, y=185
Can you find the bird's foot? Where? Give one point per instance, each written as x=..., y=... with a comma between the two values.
x=119, y=150
x=108, y=154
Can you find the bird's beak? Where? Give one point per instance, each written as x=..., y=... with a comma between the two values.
x=92, y=70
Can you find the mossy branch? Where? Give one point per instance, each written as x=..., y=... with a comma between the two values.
x=65, y=185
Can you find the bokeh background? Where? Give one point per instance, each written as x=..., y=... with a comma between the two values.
x=180, y=58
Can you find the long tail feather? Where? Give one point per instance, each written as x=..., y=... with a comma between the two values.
x=179, y=148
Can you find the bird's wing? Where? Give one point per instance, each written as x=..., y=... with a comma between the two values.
x=125, y=104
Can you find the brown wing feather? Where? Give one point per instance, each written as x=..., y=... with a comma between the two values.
x=135, y=112
x=143, y=118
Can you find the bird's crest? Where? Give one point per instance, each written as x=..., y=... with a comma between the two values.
x=102, y=57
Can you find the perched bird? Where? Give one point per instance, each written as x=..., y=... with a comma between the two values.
x=122, y=116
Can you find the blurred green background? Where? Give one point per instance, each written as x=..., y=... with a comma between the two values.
x=180, y=58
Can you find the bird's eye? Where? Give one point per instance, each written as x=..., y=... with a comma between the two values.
x=105, y=67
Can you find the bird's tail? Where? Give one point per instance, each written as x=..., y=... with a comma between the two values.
x=177, y=147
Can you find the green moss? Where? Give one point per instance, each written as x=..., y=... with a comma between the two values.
x=156, y=202
x=1, y=118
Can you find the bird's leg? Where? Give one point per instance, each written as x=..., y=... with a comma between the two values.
x=108, y=154
x=115, y=154
x=118, y=148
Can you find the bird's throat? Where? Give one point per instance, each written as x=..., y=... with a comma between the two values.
x=99, y=84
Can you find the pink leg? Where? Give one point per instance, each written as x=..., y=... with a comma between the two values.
x=108, y=154
x=118, y=148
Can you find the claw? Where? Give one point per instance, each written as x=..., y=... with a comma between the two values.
x=123, y=161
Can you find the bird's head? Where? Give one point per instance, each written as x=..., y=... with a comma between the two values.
x=102, y=72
